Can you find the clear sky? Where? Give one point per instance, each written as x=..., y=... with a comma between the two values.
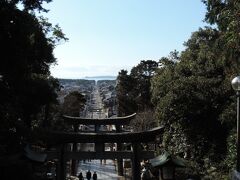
x=106, y=36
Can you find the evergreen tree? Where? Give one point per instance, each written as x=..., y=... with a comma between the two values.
x=73, y=104
x=26, y=55
x=141, y=75
x=193, y=99
x=125, y=105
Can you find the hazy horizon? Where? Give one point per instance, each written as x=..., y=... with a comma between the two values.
x=93, y=77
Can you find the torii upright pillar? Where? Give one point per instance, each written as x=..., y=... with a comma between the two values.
x=119, y=160
x=74, y=149
x=61, y=170
x=136, y=174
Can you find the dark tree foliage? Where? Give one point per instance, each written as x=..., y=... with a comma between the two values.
x=73, y=104
x=144, y=121
x=25, y=59
x=124, y=101
x=28, y=4
x=226, y=16
x=26, y=87
x=194, y=99
x=133, y=90
x=25, y=83
x=141, y=75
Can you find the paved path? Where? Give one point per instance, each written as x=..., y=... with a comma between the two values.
x=104, y=171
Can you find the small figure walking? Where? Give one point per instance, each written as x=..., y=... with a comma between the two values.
x=88, y=175
x=80, y=176
x=146, y=174
x=94, y=176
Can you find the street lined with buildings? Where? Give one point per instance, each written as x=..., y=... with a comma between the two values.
x=105, y=169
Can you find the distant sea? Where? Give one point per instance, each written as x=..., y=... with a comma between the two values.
x=97, y=78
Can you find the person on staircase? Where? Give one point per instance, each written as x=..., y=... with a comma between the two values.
x=95, y=176
x=88, y=175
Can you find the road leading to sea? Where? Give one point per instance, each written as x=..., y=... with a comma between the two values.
x=107, y=169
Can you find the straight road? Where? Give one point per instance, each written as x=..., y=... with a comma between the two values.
x=107, y=169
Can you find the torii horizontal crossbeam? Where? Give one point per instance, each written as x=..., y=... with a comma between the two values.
x=106, y=121
x=107, y=155
x=100, y=155
x=58, y=137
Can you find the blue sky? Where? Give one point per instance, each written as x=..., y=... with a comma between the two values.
x=106, y=36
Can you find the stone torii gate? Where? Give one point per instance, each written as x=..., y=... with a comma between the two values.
x=100, y=138
x=97, y=122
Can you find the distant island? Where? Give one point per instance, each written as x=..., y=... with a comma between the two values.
x=101, y=77
x=97, y=78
